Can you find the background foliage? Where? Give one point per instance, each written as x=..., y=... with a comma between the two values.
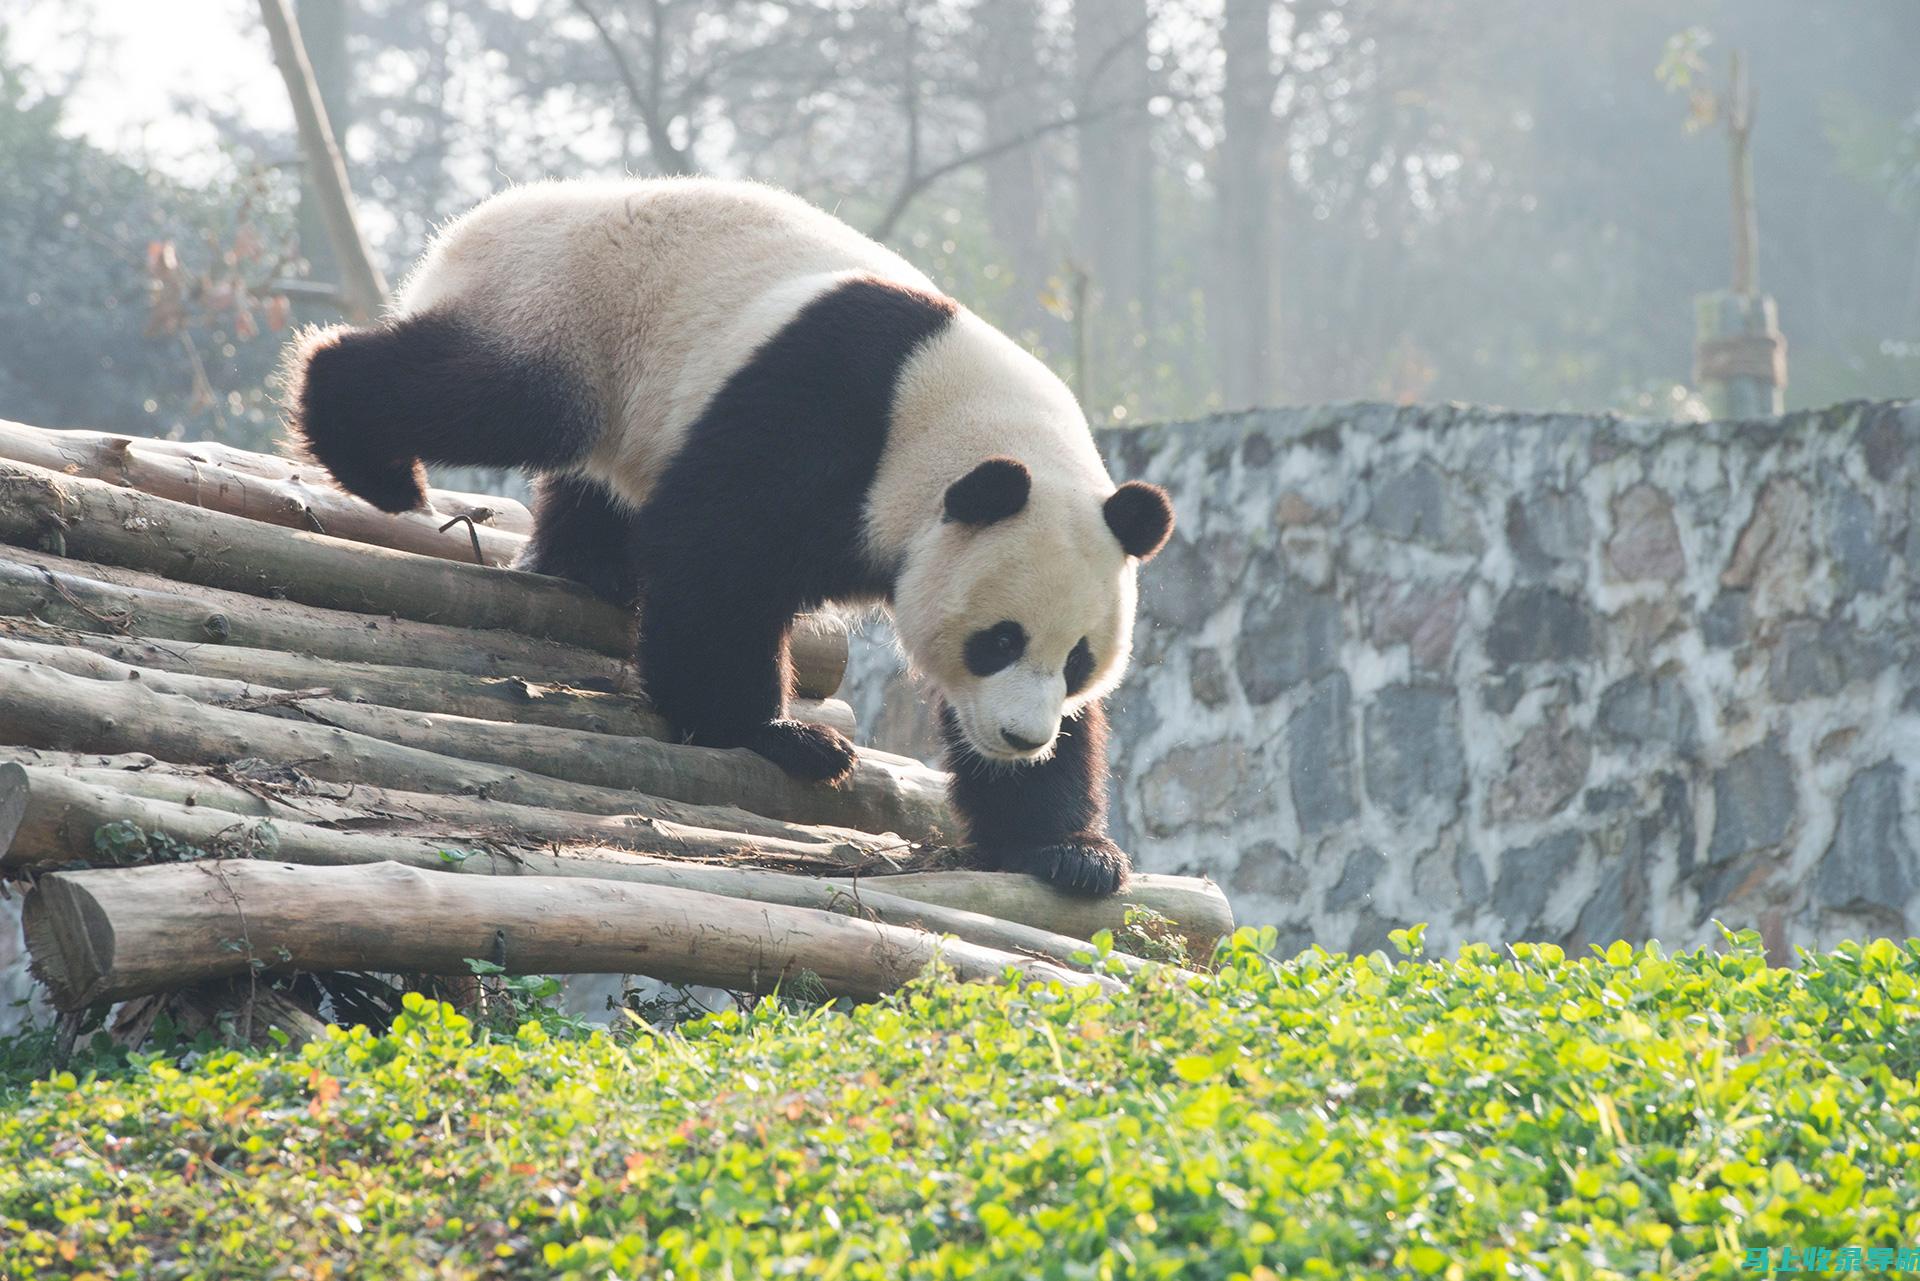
x=1216, y=202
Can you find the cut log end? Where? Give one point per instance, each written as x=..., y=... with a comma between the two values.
x=69, y=941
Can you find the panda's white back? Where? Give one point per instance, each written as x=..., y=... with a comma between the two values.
x=654, y=291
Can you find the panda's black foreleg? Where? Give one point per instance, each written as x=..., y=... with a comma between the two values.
x=1048, y=818
x=718, y=670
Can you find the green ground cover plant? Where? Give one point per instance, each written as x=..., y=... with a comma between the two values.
x=1513, y=1114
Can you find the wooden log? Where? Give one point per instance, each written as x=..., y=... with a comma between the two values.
x=92, y=520
x=51, y=709
x=296, y=498
x=906, y=798
x=62, y=809
x=113, y=934
x=507, y=515
x=620, y=819
x=65, y=812
x=108, y=600
x=225, y=675
x=1200, y=913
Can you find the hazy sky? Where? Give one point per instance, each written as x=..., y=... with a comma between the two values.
x=149, y=66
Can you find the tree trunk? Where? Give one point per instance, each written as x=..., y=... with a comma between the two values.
x=323, y=34
x=361, y=284
x=65, y=811
x=291, y=500
x=112, y=934
x=1010, y=101
x=224, y=675
x=1115, y=203
x=1242, y=307
x=51, y=709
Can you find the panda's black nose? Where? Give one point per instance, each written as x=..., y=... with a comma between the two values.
x=1020, y=744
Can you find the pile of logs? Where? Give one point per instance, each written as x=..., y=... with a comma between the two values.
x=250, y=726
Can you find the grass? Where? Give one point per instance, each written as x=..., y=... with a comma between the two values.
x=1506, y=1115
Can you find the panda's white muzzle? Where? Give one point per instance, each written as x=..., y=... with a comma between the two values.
x=1014, y=716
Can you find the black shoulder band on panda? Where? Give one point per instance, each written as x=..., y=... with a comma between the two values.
x=737, y=409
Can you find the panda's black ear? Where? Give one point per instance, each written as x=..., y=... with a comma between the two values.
x=994, y=490
x=1140, y=516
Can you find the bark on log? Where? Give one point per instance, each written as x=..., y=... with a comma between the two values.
x=51, y=709
x=111, y=600
x=301, y=498
x=63, y=807
x=223, y=675
x=65, y=810
x=112, y=934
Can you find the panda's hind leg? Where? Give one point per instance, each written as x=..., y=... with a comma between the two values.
x=716, y=666
x=581, y=532
x=371, y=405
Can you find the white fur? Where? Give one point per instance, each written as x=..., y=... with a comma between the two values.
x=1055, y=567
x=656, y=291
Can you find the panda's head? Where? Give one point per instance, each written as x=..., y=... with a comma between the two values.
x=1018, y=603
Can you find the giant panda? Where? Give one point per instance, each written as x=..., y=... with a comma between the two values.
x=737, y=408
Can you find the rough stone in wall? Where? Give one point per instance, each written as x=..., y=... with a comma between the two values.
x=1522, y=676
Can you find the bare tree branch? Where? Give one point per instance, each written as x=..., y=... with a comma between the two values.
x=645, y=98
x=916, y=184
x=918, y=180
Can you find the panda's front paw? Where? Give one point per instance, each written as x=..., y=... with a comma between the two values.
x=816, y=753
x=1090, y=865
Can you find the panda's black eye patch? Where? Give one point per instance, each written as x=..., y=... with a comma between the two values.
x=993, y=649
x=1079, y=669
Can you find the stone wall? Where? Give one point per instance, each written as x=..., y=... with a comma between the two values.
x=1522, y=676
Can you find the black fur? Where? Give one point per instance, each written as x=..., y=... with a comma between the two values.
x=580, y=532
x=994, y=490
x=1141, y=517
x=372, y=404
x=758, y=517
x=994, y=649
x=1079, y=668
x=1049, y=818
